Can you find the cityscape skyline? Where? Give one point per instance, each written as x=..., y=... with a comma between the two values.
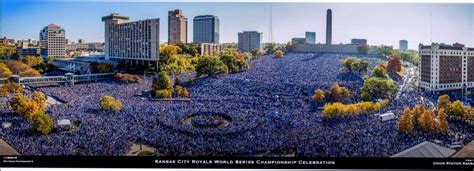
x=379, y=25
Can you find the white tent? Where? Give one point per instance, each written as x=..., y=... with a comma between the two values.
x=64, y=123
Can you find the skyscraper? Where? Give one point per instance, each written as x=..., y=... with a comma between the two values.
x=310, y=37
x=403, y=45
x=249, y=40
x=53, y=41
x=136, y=43
x=329, y=26
x=206, y=29
x=177, y=27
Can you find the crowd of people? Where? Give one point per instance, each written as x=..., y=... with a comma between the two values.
x=268, y=109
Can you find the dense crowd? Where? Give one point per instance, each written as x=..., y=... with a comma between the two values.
x=269, y=109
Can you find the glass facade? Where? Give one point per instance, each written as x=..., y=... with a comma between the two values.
x=206, y=29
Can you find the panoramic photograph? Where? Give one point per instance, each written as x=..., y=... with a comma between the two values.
x=237, y=79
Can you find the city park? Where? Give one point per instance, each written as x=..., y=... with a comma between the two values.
x=259, y=103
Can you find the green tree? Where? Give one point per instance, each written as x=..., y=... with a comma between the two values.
x=378, y=88
x=209, y=65
x=360, y=66
x=455, y=109
x=443, y=101
x=379, y=72
x=348, y=62
x=42, y=123
x=189, y=49
x=163, y=81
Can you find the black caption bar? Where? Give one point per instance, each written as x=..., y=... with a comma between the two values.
x=234, y=162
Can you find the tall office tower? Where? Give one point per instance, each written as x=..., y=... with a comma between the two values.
x=249, y=40
x=310, y=37
x=403, y=45
x=177, y=27
x=136, y=43
x=53, y=41
x=329, y=27
x=206, y=29
x=446, y=67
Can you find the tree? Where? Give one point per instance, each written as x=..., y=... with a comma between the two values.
x=347, y=63
x=106, y=102
x=166, y=51
x=163, y=81
x=417, y=111
x=338, y=93
x=42, y=123
x=209, y=65
x=10, y=88
x=163, y=93
x=187, y=48
x=4, y=71
x=455, y=109
x=31, y=60
x=360, y=66
x=443, y=101
x=19, y=68
x=379, y=72
x=426, y=121
x=228, y=51
x=116, y=106
x=378, y=88
x=318, y=96
x=7, y=50
x=443, y=123
x=332, y=110
x=185, y=92
x=278, y=54
x=179, y=90
x=469, y=114
x=270, y=48
x=394, y=64
x=39, y=98
x=235, y=63
x=257, y=52
x=25, y=107
x=405, y=123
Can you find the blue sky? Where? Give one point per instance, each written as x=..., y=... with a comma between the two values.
x=378, y=23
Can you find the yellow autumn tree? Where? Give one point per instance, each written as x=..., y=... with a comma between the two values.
x=25, y=107
x=442, y=122
x=405, y=123
x=426, y=121
x=318, y=96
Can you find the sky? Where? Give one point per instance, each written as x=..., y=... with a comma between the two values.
x=379, y=23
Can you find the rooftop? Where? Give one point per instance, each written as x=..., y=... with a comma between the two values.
x=466, y=152
x=426, y=150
